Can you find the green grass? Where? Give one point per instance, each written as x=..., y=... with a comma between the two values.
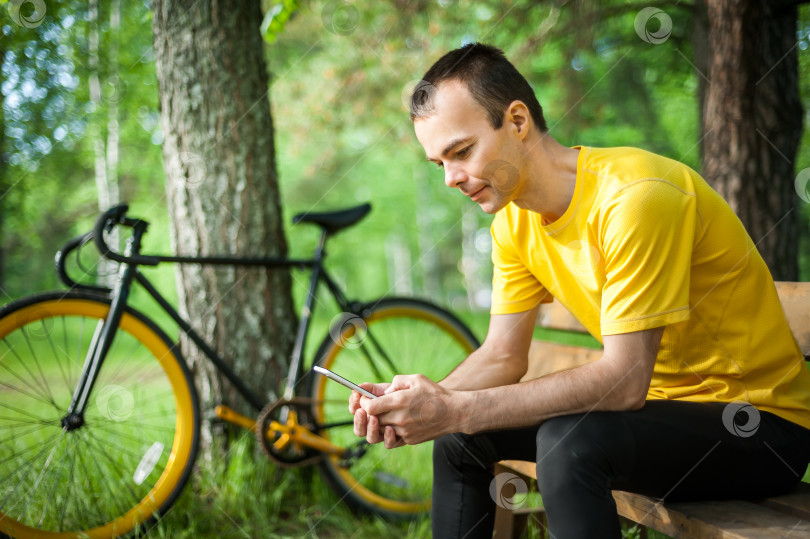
x=243, y=494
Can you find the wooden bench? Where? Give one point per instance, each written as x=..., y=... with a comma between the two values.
x=781, y=516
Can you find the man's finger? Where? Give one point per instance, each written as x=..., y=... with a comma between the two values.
x=360, y=422
x=377, y=406
x=391, y=438
x=354, y=402
x=373, y=435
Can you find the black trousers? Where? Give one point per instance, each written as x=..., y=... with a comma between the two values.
x=673, y=450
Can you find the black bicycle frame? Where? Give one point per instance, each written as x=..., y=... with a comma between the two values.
x=102, y=339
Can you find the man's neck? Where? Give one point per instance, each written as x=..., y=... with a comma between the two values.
x=551, y=177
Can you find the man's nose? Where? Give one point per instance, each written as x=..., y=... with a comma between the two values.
x=453, y=176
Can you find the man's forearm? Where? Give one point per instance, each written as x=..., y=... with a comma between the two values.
x=591, y=387
x=484, y=369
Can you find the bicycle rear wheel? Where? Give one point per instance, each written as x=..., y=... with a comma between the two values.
x=395, y=336
x=132, y=455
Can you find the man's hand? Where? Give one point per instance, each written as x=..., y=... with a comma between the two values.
x=413, y=410
x=369, y=426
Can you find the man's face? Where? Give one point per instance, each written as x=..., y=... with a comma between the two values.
x=483, y=163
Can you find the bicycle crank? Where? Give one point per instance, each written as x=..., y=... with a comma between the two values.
x=286, y=435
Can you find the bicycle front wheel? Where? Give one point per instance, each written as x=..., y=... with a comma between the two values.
x=127, y=461
x=394, y=336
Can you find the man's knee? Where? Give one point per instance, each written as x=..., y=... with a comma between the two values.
x=462, y=451
x=575, y=445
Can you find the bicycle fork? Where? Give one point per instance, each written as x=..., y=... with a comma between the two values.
x=100, y=344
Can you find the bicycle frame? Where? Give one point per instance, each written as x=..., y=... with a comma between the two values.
x=129, y=273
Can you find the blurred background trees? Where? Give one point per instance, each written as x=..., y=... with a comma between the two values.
x=339, y=77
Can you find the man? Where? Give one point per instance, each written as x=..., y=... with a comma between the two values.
x=701, y=391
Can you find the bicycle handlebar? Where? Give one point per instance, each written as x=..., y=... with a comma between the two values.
x=61, y=270
x=117, y=216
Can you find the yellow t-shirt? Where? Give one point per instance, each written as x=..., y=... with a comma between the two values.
x=645, y=243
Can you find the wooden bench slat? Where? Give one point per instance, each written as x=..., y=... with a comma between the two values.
x=732, y=519
x=796, y=503
x=522, y=467
x=554, y=316
x=795, y=298
x=547, y=357
x=729, y=519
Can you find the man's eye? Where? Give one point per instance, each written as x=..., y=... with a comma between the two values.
x=463, y=153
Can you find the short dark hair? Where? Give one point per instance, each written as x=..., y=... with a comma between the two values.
x=490, y=78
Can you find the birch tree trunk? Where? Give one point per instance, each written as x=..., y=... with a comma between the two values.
x=112, y=100
x=105, y=174
x=222, y=191
x=752, y=122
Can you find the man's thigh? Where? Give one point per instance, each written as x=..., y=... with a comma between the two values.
x=680, y=450
x=484, y=449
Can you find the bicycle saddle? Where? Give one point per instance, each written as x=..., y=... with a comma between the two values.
x=334, y=221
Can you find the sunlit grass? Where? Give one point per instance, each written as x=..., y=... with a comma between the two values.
x=243, y=494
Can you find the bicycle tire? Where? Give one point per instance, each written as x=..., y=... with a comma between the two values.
x=418, y=337
x=130, y=459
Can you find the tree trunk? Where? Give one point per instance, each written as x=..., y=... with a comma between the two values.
x=106, y=187
x=223, y=195
x=752, y=122
x=700, y=55
x=113, y=97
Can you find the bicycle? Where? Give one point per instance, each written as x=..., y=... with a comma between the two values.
x=99, y=416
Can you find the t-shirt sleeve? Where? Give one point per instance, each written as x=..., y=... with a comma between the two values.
x=514, y=288
x=647, y=233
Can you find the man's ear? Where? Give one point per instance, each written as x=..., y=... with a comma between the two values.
x=518, y=117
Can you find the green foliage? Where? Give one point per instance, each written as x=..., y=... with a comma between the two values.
x=803, y=157
x=275, y=18
x=51, y=194
x=340, y=77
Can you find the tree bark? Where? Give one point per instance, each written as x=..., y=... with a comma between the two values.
x=106, y=185
x=222, y=188
x=752, y=122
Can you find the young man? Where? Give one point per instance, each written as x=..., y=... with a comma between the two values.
x=701, y=391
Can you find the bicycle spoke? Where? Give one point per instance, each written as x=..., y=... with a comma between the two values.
x=36, y=361
x=3, y=479
x=41, y=474
x=37, y=421
x=111, y=496
x=15, y=433
x=69, y=484
x=122, y=435
x=25, y=469
x=56, y=356
x=27, y=394
x=136, y=365
x=18, y=377
x=161, y=413
x=51, y=492
x=80, y=455
x=23, y=412
x=124, y=480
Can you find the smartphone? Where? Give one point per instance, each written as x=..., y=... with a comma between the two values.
x=339, y=379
